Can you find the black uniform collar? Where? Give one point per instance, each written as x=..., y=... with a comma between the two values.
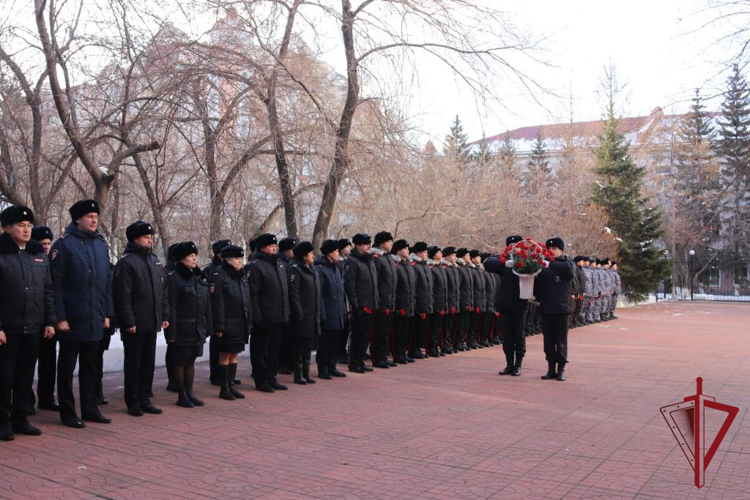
x=299, y=262
x=186, y=273
x=137, y=249
x=361, y=256
x=7, y=245
x=323, y=261
x=231, y=271
x=216, y=261
x=268, y=257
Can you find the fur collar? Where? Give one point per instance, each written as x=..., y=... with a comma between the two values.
x=460, y=262
x=186, y=273
x=415, y=258
x=377, y=251
x=7, y=245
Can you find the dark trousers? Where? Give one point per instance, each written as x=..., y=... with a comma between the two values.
x=17, y=362
x=344, y=339
x=328, y=349
x=264, y=351
x=402, y=327
x=449, y=328
x=512, y=324
x=140, y=353
x=46, y=371
x=380, y=336
x=486, y=327
x=555, y=330
x=471, y=333
x=301, y=353
x=495, y=328
x=287, y=349
x=101, y=347
x=436, y=332
x=464, y=323
x=361, y=329
x=213, y=356
x=419, y=332
x=84, y=353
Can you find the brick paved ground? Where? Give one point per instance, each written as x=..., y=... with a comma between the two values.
x=442, y=428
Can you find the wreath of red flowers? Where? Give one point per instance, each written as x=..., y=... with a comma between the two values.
x=528, y=256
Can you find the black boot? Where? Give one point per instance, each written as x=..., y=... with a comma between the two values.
x=509, y=364
x=6, y=431
x=298, y=375
x=551, y=373
x=517, y=366
x=561, y=372
x=306, y=372
x=183, y=400
x=225, y=393
x=192, y=398
x=232, y=377
x=323, y=373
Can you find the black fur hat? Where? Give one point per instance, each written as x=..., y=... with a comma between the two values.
x=329, y=246
x=83, y=207
x=302, y=248
x=232, y=251
x=216, y=246
x=399, y=245
x=419, y=246
x=183, y=249
x=555, y=242
x=513, y=239
x=265, y=240
x=287, y=244
x=382, y=237
x=361, y=239
x=40, y=233
x=15, y=214
x=138, y=229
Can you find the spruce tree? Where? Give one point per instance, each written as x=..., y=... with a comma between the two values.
x=483, y=156
x=538, y=172
x=455, y=145
x=734, y=149
x=507, y=157
x=618, y=192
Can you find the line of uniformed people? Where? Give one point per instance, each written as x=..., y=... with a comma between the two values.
x=394, y=298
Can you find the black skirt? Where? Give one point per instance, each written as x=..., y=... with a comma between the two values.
x=231, y=347
x=185, y=351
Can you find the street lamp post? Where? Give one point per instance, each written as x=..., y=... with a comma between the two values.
x=690, y=272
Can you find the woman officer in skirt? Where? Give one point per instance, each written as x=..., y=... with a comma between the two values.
x=190, y=318
x=230, y=298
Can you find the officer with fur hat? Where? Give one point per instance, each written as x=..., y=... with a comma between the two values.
x=472, y=339
x=142, y=307
x=387, y=280
x=424, y=298
x=406, y=301
x=270, y=300
x=466, y=294
x=440, y=301
x=512, y=308
x=190, y=321
x=553, y=288
x=27, y=314
x=334, y=306
x=487, y=315
x=306, y=304
x=345, y=250
x=81, y=277
x=361, y=285
x=215, y=376
x=453, y=281
x=47, y=370
x=286, y=348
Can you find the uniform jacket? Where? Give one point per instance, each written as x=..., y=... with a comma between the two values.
x=190, y=311
x=406, y=287
x=140, y=290
x=231, y=304
x=386, y=269
x=305, y=299
x=453, y=280
x=489, y=290
x=81, y=279
x=439, y=287
x=554, y=286
x=268, y=289
x=361, y=282
x=478, y=283
x=425, y=299
x=27, y=302
x=332, y=289
x=466, y=286
x=508, y=291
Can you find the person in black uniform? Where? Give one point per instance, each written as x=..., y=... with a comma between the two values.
x=27, y=314
x=553, y=288
x=487, y=314
x=466, y=296
x=142, y=309
x=305, y=302
x=406, y=301
x=345, y=250
x=286, y=347
x=190, y=319
x=512, y=310
x=580, y=295
x=103, y=345
x=453, y=281
x=168, y=268
x=81, y=278
x=270, y=303
x=424, y=300
x=440, y=301
x=478, y=300
x=387, y=278
x=213, y=343
x=47, y=369
x=361, y=286
x=232, y=316
x=332, y=289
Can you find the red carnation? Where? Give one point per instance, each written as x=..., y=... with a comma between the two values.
x=519, y=264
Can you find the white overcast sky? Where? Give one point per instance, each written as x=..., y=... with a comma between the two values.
x=653, y=45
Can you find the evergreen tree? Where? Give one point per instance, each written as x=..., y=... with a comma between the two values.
x=483, y=156
x=538, y=172
x=455, y=145
x=734, y=149
x=618, y=192
x=507, y=158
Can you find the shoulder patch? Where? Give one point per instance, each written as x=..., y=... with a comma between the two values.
x=212, y=288
x=293, y=277
x=55, y=253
